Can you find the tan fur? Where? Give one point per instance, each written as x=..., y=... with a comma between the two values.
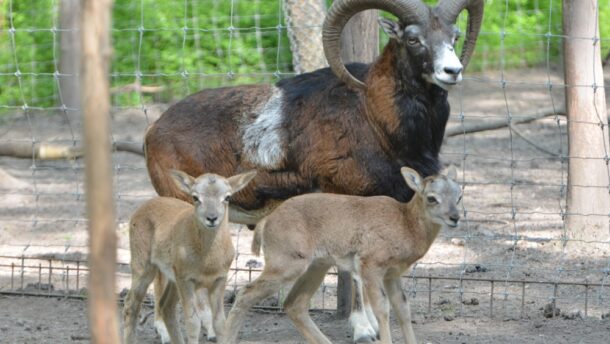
x=177, y=245
x=374, y=238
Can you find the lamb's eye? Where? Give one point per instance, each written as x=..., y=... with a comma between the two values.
x=432, y=200
x=195, y=199
x=228, y=198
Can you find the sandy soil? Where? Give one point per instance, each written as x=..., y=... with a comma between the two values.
x=513, y=230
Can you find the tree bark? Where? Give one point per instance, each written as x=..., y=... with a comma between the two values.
x=70, y=59
x=304, y=20
x=588, y=172
x=359, y=43
x=103, y=312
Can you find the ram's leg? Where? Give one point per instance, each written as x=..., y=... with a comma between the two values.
x=216, y=300
x=139, y=284
x=364, y=330
x=373, y=287
x=297, y=303
x=204, y=310
x=400, y=303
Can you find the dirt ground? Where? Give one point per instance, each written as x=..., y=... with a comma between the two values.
x=514, y=194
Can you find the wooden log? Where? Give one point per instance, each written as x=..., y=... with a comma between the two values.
x=54, y=151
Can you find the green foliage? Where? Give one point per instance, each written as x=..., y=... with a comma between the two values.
x=212, y=43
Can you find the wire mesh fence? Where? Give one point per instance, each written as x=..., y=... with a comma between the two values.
x=511, y=253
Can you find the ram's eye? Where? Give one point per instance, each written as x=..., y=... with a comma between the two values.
x=459, y=199
x=195, y=199
x=228, y=198
x=412, y=41
x=432, y=200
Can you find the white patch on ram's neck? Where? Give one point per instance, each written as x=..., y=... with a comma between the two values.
x=264, y=139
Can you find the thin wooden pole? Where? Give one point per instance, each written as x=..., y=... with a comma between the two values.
x=359, y=43
x=588, y=171
x=70, y=58
x=95, y=25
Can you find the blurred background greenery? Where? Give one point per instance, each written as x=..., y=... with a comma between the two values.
x=188, y=45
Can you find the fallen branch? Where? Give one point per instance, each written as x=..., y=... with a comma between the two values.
x=137, y=87
x=468, y=128
x=53, y=151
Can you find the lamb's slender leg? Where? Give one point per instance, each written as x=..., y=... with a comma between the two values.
x=400, y=303
x=204, y=309
x=297, y=303
x=216, y=300
x=140, y=280
x=186, y=290
x=373, y=286
x=159, y=287
x=364, y=330
x=269, y=282
x=167, y=309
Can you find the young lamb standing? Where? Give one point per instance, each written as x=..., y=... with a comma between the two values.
x=189, y=246
x=374, y=238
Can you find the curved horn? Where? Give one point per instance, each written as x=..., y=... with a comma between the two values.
x=449, y=11
x=408, y=11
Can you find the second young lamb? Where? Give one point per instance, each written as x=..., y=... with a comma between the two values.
x=374, y=238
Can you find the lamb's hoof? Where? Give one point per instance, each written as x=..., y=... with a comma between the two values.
x=365, y=339
x=212, y=339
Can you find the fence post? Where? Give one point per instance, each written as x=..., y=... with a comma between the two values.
x=359, y=43
x=588, y=171
x=95, y=24
x=70, y=58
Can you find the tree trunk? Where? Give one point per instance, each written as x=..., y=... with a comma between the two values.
x=588, y=171
x=304, y=20
x=70, y=59
x=103, y=321
x=359, y=43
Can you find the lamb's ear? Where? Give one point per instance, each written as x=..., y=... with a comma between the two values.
x=239, y=181
x=412, y=178
x=390, y=27
x=452, y=172
x=183, y=181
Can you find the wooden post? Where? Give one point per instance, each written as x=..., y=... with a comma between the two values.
x=588, y=171
x=360, y=38
x=359, y=43
x=69, y=58
x=95, y=24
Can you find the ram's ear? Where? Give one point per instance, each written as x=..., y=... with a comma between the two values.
x=390, y=27
x=183, y=181
x=413, y=179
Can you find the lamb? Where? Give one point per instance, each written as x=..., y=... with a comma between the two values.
x=335, y=130
x=374, y=238
x=188, y=246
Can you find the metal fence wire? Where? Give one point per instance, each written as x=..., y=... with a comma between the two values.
x=511, y=256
